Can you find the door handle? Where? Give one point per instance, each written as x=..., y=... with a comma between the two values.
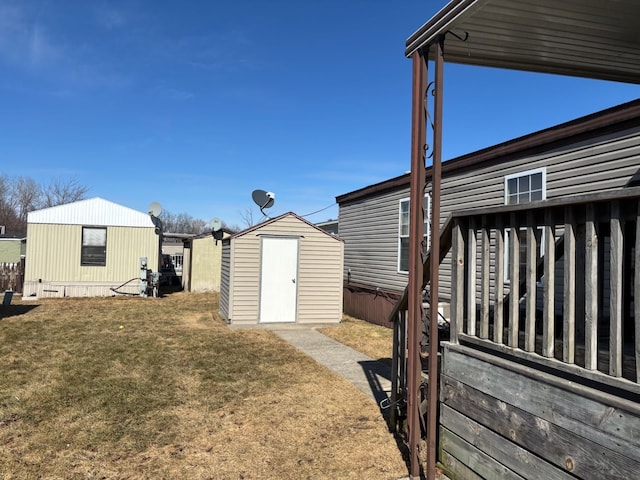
x=293, y=280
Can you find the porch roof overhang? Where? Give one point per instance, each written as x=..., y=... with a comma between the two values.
x=583, y=38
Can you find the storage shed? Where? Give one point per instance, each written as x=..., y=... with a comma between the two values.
x=87, y=249
x=202, y=263
x=282, y=270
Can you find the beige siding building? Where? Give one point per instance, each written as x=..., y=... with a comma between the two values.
x=88, y=248
x=283, y=270
x=202, y=263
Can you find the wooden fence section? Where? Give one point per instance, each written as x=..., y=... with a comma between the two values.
x=553, y=283
x=12, y=276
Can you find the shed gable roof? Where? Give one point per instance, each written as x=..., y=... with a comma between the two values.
x=281, y=217
x=93, y=211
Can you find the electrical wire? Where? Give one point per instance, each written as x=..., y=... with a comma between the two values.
x=318, y=211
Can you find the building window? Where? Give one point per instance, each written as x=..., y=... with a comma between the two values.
x=94, y=247
x=403, y=232
x=525, y=187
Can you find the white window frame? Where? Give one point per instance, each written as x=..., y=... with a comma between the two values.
x=543, y=171
x=526, y=173
x=427, y=226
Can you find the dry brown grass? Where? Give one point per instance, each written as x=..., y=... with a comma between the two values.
x=173, y=394
x=372, y=340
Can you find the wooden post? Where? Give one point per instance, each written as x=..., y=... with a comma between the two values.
x=471, y=277
x=548, y=334
x=498, y=303
x=485, y=285
x=569, y=290
x=514, y=282
x=636, y=294
x=591, y=291
x=532, y=261
x=616, y=250
x=457, y=281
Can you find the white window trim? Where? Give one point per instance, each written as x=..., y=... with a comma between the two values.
x=427, y=221
x=533, y=171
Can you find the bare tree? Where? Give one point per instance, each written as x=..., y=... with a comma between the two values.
x=59, y=192
x=8, y=217
x=181, y=223
x=21, y=195
x=26, y=196
x=247, y=217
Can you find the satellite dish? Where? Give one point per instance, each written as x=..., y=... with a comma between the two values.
x=155, y=209
x=263, y=199
x=215, y=224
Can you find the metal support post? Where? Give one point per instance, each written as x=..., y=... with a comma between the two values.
x=416, y=235
x=432, y=395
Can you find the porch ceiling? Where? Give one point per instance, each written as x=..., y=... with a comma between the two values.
x=584, y=38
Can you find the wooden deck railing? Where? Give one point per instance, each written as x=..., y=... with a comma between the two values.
x=553, y=282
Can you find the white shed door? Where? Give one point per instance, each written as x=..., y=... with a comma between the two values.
x=278, y=280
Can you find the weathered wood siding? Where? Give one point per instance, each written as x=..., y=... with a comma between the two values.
x=503, y=419
x=225, y=280
x=53, y=256
x=320, y=265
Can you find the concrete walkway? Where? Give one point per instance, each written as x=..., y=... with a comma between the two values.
x=370, y=376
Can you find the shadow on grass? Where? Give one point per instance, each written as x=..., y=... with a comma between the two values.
x=7, y=311
x=374, y=370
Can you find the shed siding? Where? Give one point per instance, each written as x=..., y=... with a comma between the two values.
x=225, y=280
x=205, y=264
x=369, y=226
x=10, y=250
x=53, y=253
x=319, y=272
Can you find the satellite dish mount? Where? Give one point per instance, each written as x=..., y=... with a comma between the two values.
x=154, y=212
x=216, y=229
x=263, y=199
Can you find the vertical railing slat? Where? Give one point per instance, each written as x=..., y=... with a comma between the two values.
x=457, y=281
x=530, y=319
x=569, y=284
x=636, y=294
x=471, y=278
x=591, y=290
x=514, y=279
x=498, y=302
x=485, y=285
x=548, y=315
x=615, y=296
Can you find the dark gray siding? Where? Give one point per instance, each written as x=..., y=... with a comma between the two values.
x=369, y=228
x=369, y=225
x=225, y=272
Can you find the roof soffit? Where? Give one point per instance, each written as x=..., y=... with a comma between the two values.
x=584, y=38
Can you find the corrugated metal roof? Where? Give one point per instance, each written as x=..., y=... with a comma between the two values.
x=93, y=211
x=585, y=38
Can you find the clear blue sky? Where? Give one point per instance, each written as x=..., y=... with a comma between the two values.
x=195, y=104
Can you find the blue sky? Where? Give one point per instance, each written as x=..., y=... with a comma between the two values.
x=195, y=104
